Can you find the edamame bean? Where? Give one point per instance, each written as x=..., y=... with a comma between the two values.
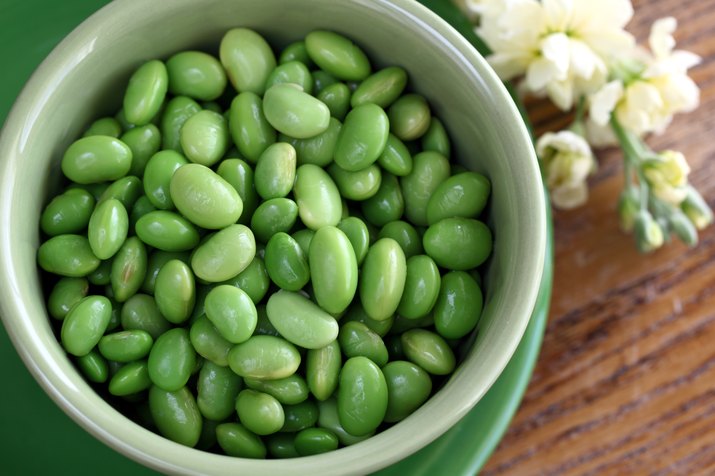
x=383, y=279
x=333, y=269
x=273, y=216
x=300, y=416
x=127, y=190
x=356, y=231
x=428, y=171
x=236, y=440
x=167, y=231
x=381, y=88
x=144, y=142
x=296, y=51
x=176, y=415
x=224, y=254
x=157, y=259
x=259, y=412
x=408, y=387
x=247, y=58
x=67, y=213
x=313, y=441
x=264, y=357
x=249, y=127
x=323, y=369
x=105, y=126
x=436, y=138
x=196, y=74
x=358, y=185
x=429, y=351
x=405, y=235
x=357, y=314
x=208, y=342
x=254, y=280
x=288, y=391
x=128, y=269
x=286, y=263
x=462, y=195
x=67, y=255
x=141, y=312
x=232, y=313
x=328, y=418
x=93, y=366
x=172, y=360
x=264, y=326
x=322, y=80
x=146, y=92
x=362, y=396
x=130, y=379
x=395, y=157
x=203, y=197
x=458, y=243
x=337, y=98
x=177, y=112
x=125, y=346
x=204, y=137
x=387, y=204
x=65, y=294
x=102, y=275
x=294, y=72
x=317, y=196
x=409, y=117
x=175, y=291
x=356, y=339
x=240, y=175
x=295, y=113
x=85, y=324
x=275, y=171
x=362, y=138
x=318, y=150
x=217, y=388
x=96, y=159
x=337, y=55
x=458, y=306
x=108, y=228
x=300, y=321
x=141, y=207
x=422, y=287
x=157, y=177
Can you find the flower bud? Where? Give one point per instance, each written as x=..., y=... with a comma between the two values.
x=628, y=207
x=683, y=228
x=696, y=209
x=667, y=176
x=648, y=234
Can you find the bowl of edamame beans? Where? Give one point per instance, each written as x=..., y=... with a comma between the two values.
x=267, y=237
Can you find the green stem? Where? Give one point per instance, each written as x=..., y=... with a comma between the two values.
x=634, y=151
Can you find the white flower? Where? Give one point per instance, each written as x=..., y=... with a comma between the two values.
x=599, y=136
x=648, y=234
x=667, y=176
x=567, y=161
x=561, y=46
x=661, y=89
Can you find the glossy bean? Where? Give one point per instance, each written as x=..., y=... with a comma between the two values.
x=333, y=269
x=337, y=55
x=250, y=130
x=409, y=117
x=313, y=441
x=217, y=388
x=295, y=51
x=387, y=204
x=208, y=342
x=383, y=279
x=362, y=398
x=167, y=231
x=125, y=346
x=422, y=287
x=224, y=254
x=146, y=92
x=67, y=255
x=362, y=138
x=141, y=207
x=275, y=171
x=240, y=175
x=408, y=387
x=294, y=112
x=247, y=58
x=204, y=137
x=196, y=74
x=175, y=291
x=337, y=98
x=321, y=80
x=381, y=88
x=356, y=339
x=96, y=159
x=259, y=412
x=144, y=142
x=254, y=280
x=67, y=213
x=294, y=72
x=356, y=231
x=288, y=391
x=300, y=416
x=85, y=324
x=264, y=357
x=232, y=312
x=107, y=229
x=178, y=111
x=459, y=305
x=429, y=351
x=65, y=294
x=303, y=238
x=395, y=157
x=157, y=177
x=157, y=259
x=323, y=369
x=235, y=440
x=405, y=235
x=301, y=321
x=356, y=313
x=176, y=414
x=458, y=243
x=273, y=216
x=436, y=138
x=318, y=150
x=172, y=360
x=328, y=418
x=429, y=170
x=462, y=195
x=317, y=196
x=105, y=126
x=140, y=312
x=358, y=185
x=286, y=263
x=130, y=379
x=128, y=269
x=93, y=366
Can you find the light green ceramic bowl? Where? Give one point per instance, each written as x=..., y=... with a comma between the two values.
x=85, y=77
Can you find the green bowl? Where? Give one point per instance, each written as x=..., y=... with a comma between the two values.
x=84, y=78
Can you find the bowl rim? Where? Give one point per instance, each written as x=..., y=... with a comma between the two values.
x=83, y=409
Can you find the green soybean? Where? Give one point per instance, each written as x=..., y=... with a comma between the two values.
x=362, y=138
x=458, y=243
x=235, y=440
x=301, y=321
x=322, y=80
x=93, y=366
x=105, y=126
x=408, y=387
x=125, y=346
x=387, y=204
x=422, y=287
x=273, y=216
x=96, y=159
x=144, y=142
x=381, y=88
x=429, y=170
x=130, y=379
x=383, y=279
x=203, y=197
x=362, y=396
x=436, y=138
x=459, y=305
x=288, y=391
x=313, y=441
x=172, y=360
x=67, y=255
x=317, y=196
x=224, y=254
x=247, y=58
x=175, y=291
x=108, y=228
x=254, y=280
x=67, y=213
x=323, y=369
x=356, y=231
x=127, y=190
x=259, y=412
x=318, y=150
x=462, y=195
x=328, y=418
x=337, y=98
x=196, y=74
x=286, y=263
x=146, y=92
x=264, y=357
x=303, y=238
x=128, y=269
x=264, y=326
x=410, y=117
x=295, y=113
x=167, y=231
x=295, y=51
x=275, y=171
x=204, y=137
x=141, y=207
x=178, y=111
x=358, y=185
x=232, y=312
x=250, y=130
x=157, y=259
x=337, y=55
x=429, y=351
x=65, y=294
x=208, y=342
x=356, y=339
x=102, y=275
x=85, y=324
x=294, y=72
x=356, y=313
x=240, y=175
x=176, y=415
x=300, y=416
x=157, y=177
x=405, y=235
x=141, y=312
x=217, y=388
x=333, y=269
x=395, y=157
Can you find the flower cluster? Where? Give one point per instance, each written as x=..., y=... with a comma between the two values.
x=578, y=54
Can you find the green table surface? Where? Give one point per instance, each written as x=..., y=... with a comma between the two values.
x=36, y=437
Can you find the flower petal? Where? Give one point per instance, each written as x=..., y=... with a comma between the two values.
x=604, y=102
x=661, y=39
x=567, y=198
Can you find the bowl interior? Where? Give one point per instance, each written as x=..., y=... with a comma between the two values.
x=85, y=77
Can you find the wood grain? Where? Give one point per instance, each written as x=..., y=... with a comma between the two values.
x=625, y=383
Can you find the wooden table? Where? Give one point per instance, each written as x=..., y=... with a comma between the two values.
x=625, y=383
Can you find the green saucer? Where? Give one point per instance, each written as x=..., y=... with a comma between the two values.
x=36, y=437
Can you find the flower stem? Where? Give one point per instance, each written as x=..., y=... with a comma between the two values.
x=634, y=151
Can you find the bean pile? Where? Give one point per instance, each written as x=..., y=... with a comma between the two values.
x=266, y=257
